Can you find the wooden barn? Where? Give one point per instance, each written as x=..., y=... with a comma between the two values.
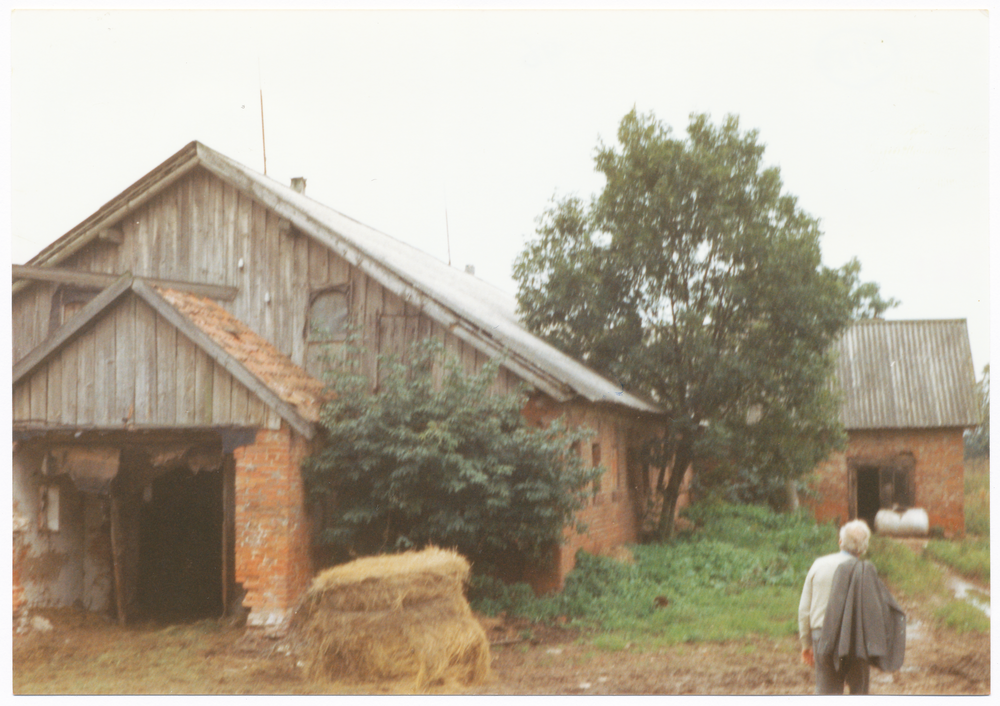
x=166, y=354
x=908, y=397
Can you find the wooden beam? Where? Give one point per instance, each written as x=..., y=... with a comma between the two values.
x=71, y=327
x=95, y=279
x=223, y=358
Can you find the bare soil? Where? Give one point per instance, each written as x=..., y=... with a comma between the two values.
x=86, y=654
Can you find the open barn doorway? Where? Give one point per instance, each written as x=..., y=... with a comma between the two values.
x=181, y=546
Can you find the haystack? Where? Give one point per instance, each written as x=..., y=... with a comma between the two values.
x=393, y=617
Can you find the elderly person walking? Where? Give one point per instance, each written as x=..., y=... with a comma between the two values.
x=847, y=618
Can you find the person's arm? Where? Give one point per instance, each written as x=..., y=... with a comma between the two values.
x=805, y=629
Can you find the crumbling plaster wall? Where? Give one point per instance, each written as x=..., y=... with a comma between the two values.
x=65, y=567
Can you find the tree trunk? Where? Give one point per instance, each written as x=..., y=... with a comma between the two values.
x=682, y=459
x=792, y=494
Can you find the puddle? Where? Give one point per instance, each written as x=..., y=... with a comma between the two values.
x=961, y=590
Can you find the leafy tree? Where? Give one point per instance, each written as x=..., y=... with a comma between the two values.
x=977, y=442
x=693, y=279
x=434, y=457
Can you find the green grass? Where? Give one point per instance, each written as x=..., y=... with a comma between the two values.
x=962, y=617
x=906, y=572
x=738, y=574
x=977, y=496
x=969, y=557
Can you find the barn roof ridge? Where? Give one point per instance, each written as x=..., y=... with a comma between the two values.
x=472, y=309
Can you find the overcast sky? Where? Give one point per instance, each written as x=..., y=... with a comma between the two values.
x=877, y=120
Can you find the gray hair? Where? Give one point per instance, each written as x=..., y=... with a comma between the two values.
x=854, y=537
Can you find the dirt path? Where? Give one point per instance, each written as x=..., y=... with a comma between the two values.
x=937, y=662
x=87, y=655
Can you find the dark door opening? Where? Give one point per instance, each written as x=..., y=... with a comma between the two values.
x=868, y=494
x=180, y=546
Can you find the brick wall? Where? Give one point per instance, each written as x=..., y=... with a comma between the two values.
x=272, y=527
x=938, y=473
x=610, y=517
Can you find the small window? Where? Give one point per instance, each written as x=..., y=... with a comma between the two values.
x=329, y=315
x=67, y=302
x=48, y=508
x=595, y=454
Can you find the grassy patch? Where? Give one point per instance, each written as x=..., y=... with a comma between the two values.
x=977, y=496
x=907, y=572
x=969, y=557
x=962, y=617
x=738, y=574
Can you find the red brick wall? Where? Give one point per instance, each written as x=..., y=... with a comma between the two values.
x=938, y=474
x=610, y=517
x=272, y=527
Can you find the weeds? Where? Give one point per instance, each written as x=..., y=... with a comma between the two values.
x=969, y=557
x=962, y=617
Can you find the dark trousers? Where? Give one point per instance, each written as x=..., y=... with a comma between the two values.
x=855, y=674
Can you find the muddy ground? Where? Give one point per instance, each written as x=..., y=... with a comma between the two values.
x=84, y=654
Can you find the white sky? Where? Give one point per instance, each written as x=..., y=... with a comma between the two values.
x=877, y=119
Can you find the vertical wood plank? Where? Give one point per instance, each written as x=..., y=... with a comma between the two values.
x=39, y=394
x=145, y=363
x=85, y=401
x=204, y=387
x=185, y=380
x=187, y=238
x=166, y=381
x=271, y=276
x=53, y=404
x=248, y=280
x=318, y=270
x=300, y=301
x=230, y=207
x=240, y=400
x=21, y=409
x=144, y=251
x=283, y=296
x=221, y=395
x=70, y=357
x=125, y=362
x=105, y=395
x=339, y=269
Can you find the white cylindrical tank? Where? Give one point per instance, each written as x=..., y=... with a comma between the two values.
x=897, y=523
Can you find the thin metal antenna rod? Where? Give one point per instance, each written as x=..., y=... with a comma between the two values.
x=263, y=143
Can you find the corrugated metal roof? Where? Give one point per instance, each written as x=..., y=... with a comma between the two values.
x=482, y=311
x=907, y=374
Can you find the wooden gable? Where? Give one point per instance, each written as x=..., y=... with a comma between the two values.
x=131, y=368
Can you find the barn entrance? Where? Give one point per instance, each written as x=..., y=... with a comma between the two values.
x=881, y=484
x=180, y=546
x=172, y=530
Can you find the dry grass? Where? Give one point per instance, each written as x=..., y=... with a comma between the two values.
x=398, y=618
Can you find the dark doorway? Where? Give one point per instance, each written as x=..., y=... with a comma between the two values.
x=180, y=546
x=868, y=494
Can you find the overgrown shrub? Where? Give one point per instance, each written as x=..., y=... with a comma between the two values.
x=434, y=456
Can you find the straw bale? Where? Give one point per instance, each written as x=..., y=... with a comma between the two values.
x=394, y=617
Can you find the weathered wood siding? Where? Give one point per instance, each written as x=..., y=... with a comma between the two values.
x=133, y=367
x=203, y=230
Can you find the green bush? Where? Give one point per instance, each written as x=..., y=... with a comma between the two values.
x=435, y=457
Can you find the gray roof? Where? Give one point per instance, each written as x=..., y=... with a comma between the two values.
x=907, y=374
x=472, y=309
